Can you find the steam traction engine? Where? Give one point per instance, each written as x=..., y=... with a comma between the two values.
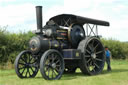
x=62, y=45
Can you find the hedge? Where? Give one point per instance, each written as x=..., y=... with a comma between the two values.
x=119, y=50
x=11, y=44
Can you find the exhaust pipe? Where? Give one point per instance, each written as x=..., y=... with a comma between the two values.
x=39, y=18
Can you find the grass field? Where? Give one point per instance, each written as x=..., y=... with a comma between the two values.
x=118, y=76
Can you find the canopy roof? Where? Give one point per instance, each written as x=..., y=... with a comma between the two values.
x=68, y=19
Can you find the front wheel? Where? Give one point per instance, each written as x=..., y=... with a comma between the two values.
x=52, y=65
x=26, y=65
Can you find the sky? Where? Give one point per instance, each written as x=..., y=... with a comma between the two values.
x=20, y=15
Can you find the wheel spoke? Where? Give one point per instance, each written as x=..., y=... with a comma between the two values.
x=99, y=52
x=57, y=65
x=98, y=59
x=87, y=56
x=52, y=55
x=89, y=60
x=25, y=56
x=54, y=73
x=55, y=56
x=46, y=69
x=21, y=63
x=88, y=51
x=90, y=47
x=21, y=67
x=94, y=69
x=23, y=59
x=96, y=46
x=23, y=71
x=48, y=72
x=48, y=58
x=90, y=63
x=57, y=70
x=96, y=65
x=34, y=61
x=32, y=69
x=36, y=69
x=57, y=61
x=47, y=63
x=92, y=42
x=29, y=58
x=28, y=72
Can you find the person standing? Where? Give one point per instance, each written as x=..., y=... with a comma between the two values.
x=108, y=56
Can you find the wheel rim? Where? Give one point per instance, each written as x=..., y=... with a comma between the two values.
x=53, y=66
x=94, y=56
x=26, y=65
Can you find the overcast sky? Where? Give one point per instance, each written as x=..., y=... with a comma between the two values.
x=20, y=15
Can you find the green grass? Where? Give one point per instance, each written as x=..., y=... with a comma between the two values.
x=118, y=76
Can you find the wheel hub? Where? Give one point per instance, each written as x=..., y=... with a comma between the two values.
x=53, y=65
x=93, y=55
x=27, y=65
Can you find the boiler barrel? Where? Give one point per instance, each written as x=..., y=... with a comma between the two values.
x=40, y=44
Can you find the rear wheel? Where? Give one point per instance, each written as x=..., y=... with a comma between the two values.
x=26, y=65
x=93, y=56
x=52, y=65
